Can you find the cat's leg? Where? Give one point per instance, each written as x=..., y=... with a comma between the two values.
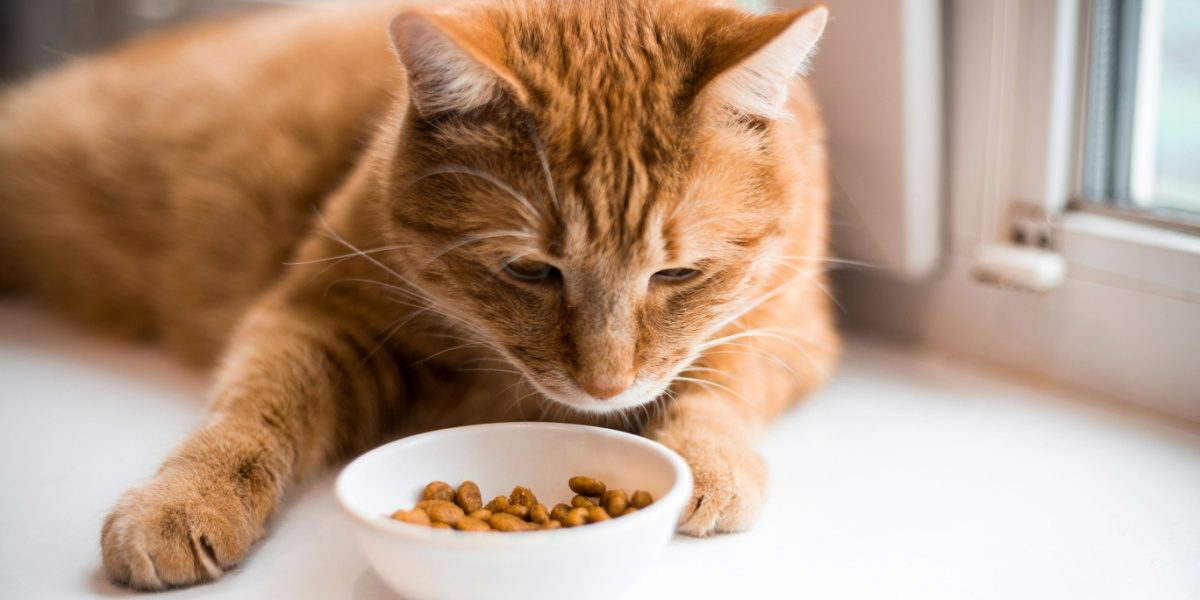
x=299, y=387
x=714, y=424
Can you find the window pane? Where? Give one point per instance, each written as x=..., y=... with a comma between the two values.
x=1177, y=148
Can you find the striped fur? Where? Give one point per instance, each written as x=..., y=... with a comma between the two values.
x=264, y=193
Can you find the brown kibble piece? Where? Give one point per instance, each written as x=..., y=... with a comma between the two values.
x=628, y=511
x=552, y=524
x=518, y=511
x=575, y=517
x=614, y=501
x=539, y=514
x=559, y=512
x=586, y=486
x=472, y=524
x=596, y=514
x=580, y=501
x=443, y=511
x=468, y=498
x=498, y=504
x=415, y=516
x=441, y=525
x=438, y=490
x=523, y=496
x=507, y=522
x=641, y=499
x=482, y=514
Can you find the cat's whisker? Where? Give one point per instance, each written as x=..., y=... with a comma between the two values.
x=714, y=384
x=542, y=158
x=812, y=279
x=532, y=213
x=469, y=239
x=341, y=257
x=830, y=260
x=339, y=239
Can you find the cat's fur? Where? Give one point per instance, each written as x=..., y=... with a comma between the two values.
x=265, y=189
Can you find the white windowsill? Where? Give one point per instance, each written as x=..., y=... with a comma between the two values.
x=910, y=476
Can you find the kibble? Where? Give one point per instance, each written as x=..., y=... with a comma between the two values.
x=442, y=511
x=438, y=490
x=575, y=517
x=507, y=522
x=614, y=501
x=472, y=524
x=586, y=486
x=468, y=498
x=498, y=504
x=559, y=512
x=518, y=511
x=522, y=496
x=640, y=499
x=443, y=507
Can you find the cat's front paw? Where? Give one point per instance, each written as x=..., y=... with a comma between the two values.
x=729, y=480
x=176, y=531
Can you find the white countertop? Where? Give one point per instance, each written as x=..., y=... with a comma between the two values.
x=910, y=476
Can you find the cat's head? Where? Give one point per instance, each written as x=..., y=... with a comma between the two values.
x=591, y=187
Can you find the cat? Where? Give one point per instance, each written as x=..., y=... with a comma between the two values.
x=385, y=219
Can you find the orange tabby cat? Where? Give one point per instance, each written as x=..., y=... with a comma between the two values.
x=608, y=212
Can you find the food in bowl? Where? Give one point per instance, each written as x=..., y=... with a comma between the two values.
x=442, y=507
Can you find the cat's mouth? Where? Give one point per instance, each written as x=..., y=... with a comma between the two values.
x=640, y=392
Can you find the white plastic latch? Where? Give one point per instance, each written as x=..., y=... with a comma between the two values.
x=1022, y=267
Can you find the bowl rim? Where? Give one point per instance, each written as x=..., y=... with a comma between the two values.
x=679, y=492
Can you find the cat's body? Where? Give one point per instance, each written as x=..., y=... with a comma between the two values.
x=159, y=190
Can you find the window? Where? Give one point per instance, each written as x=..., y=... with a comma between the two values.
x=1142, y=137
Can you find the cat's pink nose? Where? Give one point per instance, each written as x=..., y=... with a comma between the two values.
x=603, y=386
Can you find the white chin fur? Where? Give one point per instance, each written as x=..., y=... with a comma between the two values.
x=638, y=394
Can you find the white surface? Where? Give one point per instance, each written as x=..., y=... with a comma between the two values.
x=428, y=563
x=878, y=74
x=909, y=477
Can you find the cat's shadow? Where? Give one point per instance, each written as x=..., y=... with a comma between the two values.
x=100, y=585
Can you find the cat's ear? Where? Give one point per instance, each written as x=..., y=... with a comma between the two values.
x=453, y=61
x=752, y=60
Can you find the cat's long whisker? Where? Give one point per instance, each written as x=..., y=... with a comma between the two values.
x=813, y=280
x=469, y=239
x=532, y=212
x=753, y=303
x=541, y=153
x=830, y=260
x=757, y=353
x=714, y=384
x=339, y=239
x=342, y=256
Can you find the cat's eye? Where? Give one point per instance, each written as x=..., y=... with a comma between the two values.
x=532, y=271
x=675, y=275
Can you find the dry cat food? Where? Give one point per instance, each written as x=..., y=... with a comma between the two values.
x=443, y=507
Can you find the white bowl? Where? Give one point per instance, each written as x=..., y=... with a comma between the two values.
x=600, y=560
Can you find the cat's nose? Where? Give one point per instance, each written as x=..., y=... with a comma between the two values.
x=603, y=386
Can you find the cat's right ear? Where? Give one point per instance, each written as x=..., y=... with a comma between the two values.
x=453, y=61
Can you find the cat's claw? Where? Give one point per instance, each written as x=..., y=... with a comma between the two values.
x=729, y=481
x=169, y=534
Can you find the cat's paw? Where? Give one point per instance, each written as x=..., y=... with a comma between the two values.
x=176, y=531
x=729, y=480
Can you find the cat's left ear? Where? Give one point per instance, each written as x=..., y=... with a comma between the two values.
x=454, y=60
x=752, y=60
